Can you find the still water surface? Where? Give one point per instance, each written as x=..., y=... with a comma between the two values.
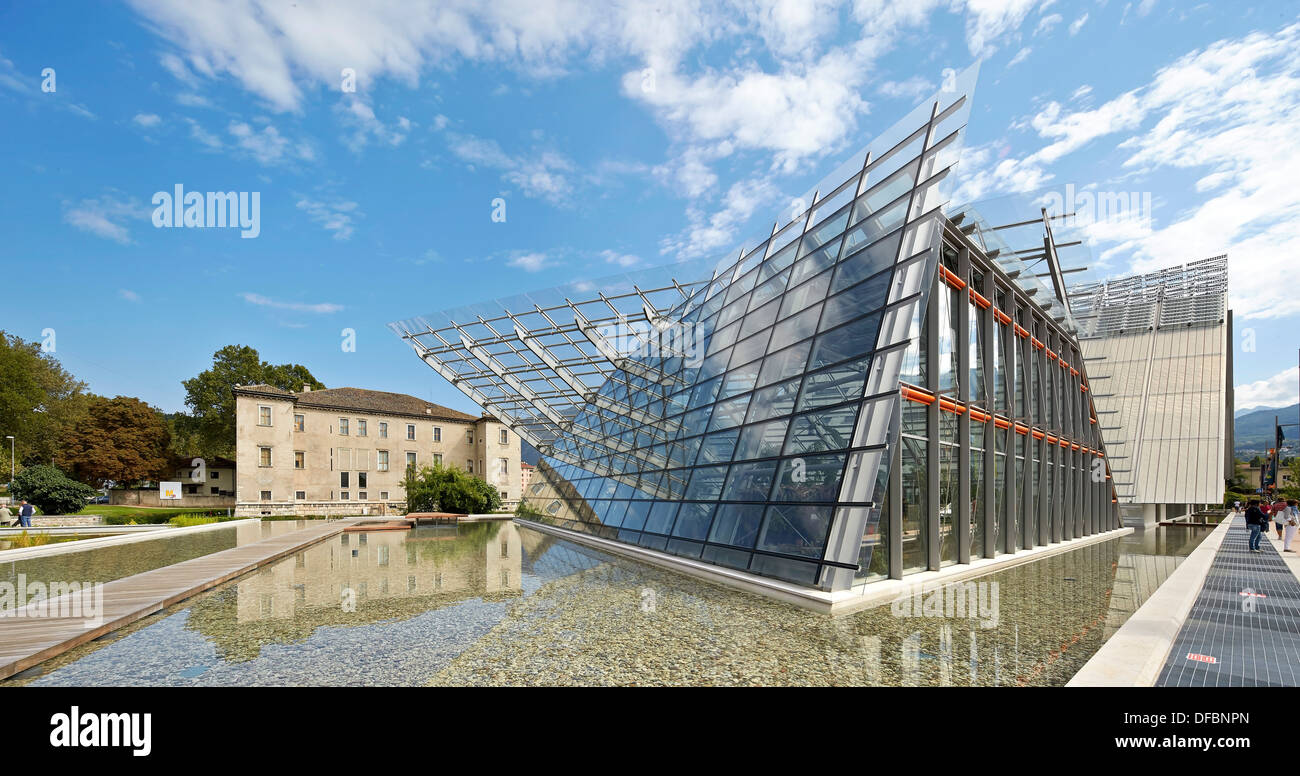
x=501, y=604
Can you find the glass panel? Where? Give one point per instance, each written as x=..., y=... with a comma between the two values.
x=795, y=328
x=749, y=481
x=661, y=517
x=915, y=492
x=693, y=520
x=718, y=447
x=873, y=227
x=809, y=479
x=762, y=440
x=795, y=530
x=837, y=384
x=849, y=340
x=737, y=524
x=825, y=430
x=786, y=363
x=864, y=297
x=706, y=483
x=809, y=293
x=773, y=401
x=948, y=503
x=729, y=413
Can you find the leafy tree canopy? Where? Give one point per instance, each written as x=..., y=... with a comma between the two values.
x=441, y=488
x=39, y=401
x=51, y=490
x=211, y=399
x=121, y=440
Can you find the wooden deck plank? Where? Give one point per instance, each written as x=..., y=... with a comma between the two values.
x=28, y=641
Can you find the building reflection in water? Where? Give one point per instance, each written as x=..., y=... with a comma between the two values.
x=361, y=578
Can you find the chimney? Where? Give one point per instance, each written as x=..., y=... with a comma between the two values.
x=306, y=388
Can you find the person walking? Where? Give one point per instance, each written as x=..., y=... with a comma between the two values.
x=1257, y=522
x=1279, y=514
x=1236, y=507
x=1292, y=524
x=25, y=513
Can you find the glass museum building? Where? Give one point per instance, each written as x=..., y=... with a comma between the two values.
x=879, y=387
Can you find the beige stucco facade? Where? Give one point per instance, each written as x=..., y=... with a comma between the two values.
x=345, y=451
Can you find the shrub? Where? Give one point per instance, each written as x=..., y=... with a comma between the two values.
x=51, y=490
x=441, y=488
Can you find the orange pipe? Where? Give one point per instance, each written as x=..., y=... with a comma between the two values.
x=1022, y=429
x=978, y=416
x=1001, y=422
x=1050, y=354
x=951, y=278
x=979, y=299
x=1022, y=331
x=1001, y=317
x=913, y=394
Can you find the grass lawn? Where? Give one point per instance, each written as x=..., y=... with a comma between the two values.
x=121, y=515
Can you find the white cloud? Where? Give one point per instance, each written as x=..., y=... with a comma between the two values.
x=543, y=174
x=267, y=145
x=1276, y=391
x=915, y=88
x=530, y=262
x=128, y=295
x=106, y=216
x=1020, y=56
x=1047, y=23
x=1077, y=24
x=301, y=307
x=147, y=120
x=708, y=233
x=361, y=118
x=335, y=217
x=620, y=259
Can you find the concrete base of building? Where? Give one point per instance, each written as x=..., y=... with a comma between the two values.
x=838, y=602
x=1136, y=653
x=319, y=508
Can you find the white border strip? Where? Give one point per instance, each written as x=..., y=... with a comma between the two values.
x=838, y=602
x=1136, y=653
x=81, y=545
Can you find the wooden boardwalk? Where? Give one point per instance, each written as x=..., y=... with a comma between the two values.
x=27, y=641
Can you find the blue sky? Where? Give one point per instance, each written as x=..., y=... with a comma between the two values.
x=618, y=135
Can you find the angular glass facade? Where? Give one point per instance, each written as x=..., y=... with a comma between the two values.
x=816, y=409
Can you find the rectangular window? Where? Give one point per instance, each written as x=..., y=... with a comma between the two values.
x=410, y=460
x=437, y=459
x=383, y=495
x=381, y=460
x=266, y=495
x=362, y=496
x=469, y=466
x=505, y=437
x=343, y=426
x=469, y=435
x=343, y=479
x=263, y=415
x=299, y=423
x=505, y=466
x=215, y=491
x=301, y=495
x=361, y=428
x=383, y=430
x=361, y=479
x=410, y=431
x=344, y=496
x=299, y=459
x=437, y=433
x=263, y=456
x=215, y=475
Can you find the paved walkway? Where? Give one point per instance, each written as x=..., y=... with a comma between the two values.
x=1244, y=627
x=27, y=641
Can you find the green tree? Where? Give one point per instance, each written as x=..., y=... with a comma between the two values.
x=51, y=490
x=121, y=440
x=211, y=399
x=39, y=401
x=441, y=488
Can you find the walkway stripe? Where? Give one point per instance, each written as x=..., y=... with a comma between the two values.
x=27, y=641
x=1244, y=628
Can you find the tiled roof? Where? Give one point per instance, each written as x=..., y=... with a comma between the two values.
x=363, y=400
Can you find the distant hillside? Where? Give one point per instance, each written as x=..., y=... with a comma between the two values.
x=1253, y=430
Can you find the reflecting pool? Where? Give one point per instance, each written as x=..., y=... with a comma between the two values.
x=502, y=604
x=105, y=564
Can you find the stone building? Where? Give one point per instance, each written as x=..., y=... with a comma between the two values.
x=345, y=451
